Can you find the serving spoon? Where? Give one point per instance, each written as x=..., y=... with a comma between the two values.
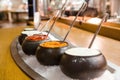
x=39, y=28
x=46, y=24
x=56, y=18
x=98, y=29
x=82, y=9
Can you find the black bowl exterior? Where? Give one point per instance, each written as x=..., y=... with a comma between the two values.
x=21, y=38
x=84, y=68
x=49, y=56
x=29, y=46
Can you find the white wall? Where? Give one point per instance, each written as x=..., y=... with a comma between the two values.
x=15, y=3
x=115, y=7
x=99, y=4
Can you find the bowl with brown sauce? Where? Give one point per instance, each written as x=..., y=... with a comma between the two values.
x=83, y=63
x=50, y=52
x=31, y=43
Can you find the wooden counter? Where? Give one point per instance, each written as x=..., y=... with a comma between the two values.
x=10, y=71
x=109, y=29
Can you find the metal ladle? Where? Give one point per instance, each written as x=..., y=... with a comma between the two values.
x=98, y=29
x=63, y=12
x=82, y=9
x=46, y=23
x=56, y=18
x=39, y=25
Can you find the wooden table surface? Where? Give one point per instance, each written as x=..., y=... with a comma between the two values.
x=10, y=71
x=8, y=68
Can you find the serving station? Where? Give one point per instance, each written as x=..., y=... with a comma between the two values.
x=66, y=47
x=77, y=37
x=37, y=71
x=31, y=66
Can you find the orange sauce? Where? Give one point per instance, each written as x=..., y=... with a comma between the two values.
x=53, y=44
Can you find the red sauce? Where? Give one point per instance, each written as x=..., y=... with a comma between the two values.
x=37, y=37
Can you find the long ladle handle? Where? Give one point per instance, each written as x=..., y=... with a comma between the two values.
x=56, y=17
x=82, y=8
x=63, y=12
x=46, y=23
x=98, y=29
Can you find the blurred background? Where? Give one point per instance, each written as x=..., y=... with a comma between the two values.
x=9, y=9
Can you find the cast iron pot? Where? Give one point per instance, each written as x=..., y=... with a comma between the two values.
x=50, y=55
x=31, y=43
x=24, y=34
x=83, y=63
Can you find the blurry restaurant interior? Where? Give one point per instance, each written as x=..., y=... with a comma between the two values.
x=16, y=15
x=96, y=8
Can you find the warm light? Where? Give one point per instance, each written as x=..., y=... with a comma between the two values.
x=94, y=20
x=52, y=2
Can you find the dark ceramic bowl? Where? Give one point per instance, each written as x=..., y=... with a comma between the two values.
x=31, y=43
x=24, y=34
x=83, y=63
x=49, y=53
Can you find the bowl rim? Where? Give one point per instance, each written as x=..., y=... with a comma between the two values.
x=35, y=40
x=99, y=52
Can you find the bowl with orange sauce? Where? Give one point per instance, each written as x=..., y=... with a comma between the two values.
x=31, y=43
x=50, y=52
